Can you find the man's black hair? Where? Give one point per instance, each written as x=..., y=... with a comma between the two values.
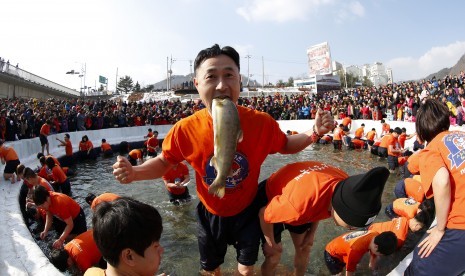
x=432, y=119
x=50, y=162
x=39, y=155
x=90, y=198
x=39, y=195
x=386, y=242
x=215, y=51
x=59, y=258
x=125, y=223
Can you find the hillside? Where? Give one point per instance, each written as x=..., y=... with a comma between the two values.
x=178, y=80
x=454, y=70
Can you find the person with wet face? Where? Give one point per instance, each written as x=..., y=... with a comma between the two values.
x=299, y=195
x=233, y=219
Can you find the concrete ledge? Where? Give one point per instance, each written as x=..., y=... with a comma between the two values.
x=19, y=253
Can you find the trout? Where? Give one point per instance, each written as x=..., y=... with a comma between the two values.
x=226, y=134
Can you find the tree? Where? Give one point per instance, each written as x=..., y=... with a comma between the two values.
x=137, y=87
x=149, y=88
x=280, y=83
x=125, y=84
x=101, y=88
x=290, y=82
x=367, y=82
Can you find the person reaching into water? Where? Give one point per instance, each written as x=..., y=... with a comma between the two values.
x=176, y=180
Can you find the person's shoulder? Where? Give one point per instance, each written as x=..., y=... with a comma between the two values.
x=94, y=271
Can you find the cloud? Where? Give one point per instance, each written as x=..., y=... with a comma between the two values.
x=437, y=58
x=279, y=10
x=350, y=11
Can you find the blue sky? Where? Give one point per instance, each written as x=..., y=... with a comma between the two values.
x=49, y=38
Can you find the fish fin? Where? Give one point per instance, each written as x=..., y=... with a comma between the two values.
x=240, y=136
x=220, y=192
x=217, y=189
x=213, y=162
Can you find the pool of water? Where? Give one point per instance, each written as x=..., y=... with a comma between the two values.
x=181, y=255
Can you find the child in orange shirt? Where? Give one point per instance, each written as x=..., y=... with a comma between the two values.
x=442, y=165
x=106, y=149
x=348, y=249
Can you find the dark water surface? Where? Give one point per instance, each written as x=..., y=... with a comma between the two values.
x=181, y=255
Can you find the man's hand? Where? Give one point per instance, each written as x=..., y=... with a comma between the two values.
x=43, y=235
x=270, y=249
x=122, y=170
x=429, y=243
x=324, y=122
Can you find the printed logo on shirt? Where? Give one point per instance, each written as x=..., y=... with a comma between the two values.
x=240, y=170
x=410, y=201
x=353, y=235
x=455, y=142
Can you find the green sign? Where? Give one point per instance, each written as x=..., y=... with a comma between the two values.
x=102, y=79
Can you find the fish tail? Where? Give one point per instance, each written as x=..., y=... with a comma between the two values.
x=217, y=189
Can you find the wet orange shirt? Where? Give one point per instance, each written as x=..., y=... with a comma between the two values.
x=44, y=183
x=191, y=139
x=105, y=197
x=69, y=148
x=84, y=146
x=338, y=133
x=346, y=121
x=447, y=150
x=177, y=172
x=386, y=140
x=152, y=142
x=398, y=226
x=402, y=137
x=45, y=130
x=63, y=206
x=105, y=146
x=135, y=154
x=83, y=250
x=359, y=132
x=350, y=247
x=301, y=192
x=44, y=173
x=58, y=174
x=405, y=207
x=371, y=135
x=8, y=153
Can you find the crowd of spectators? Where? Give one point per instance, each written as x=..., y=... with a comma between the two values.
x=22, y=118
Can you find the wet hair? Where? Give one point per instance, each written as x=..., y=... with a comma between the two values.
x=150, y=130
x=90, y=198
x=39, y=195
x=404, y=129
x=67, y=135
x=125, y=223
x=386, y=242
x=215, y=51
x=39, y=155
x=155, y=132
x=20, y=169
x=42, y=160
x=59, y=258
x=373, y=129
x=104, y=140
x=85, y=137
x=29, y=173
x=432, y=119
x=50, y=162
x=398, y=130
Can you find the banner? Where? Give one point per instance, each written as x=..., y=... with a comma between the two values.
x=319, y=60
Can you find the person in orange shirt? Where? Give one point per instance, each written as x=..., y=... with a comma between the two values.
x=93, y=200
x=44, y=132
x=403, y=137
x=136, y=157
x=31, y=179
x=9, y=157
x=291, y=132
x=152, y=145
x=338, y=135
x=299, y=195
x=60, y=181
x=393, y=149
x=441, y=164
x=347, y=121
x=106, y=149
x=149, y=134
x=86, y=149
x=80, y=251
x=385, y=128
x=384, y=144
x=70, y=215
x=359, y=132
x=326, y=139
x=68, y=158
x=176, y=180
x=348, y=249
x=217, y=75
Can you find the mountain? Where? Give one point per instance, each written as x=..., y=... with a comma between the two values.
x=178, y=80
x=454, y=70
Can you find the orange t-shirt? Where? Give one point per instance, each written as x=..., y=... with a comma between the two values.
x=135, y=154
x=69, y=148
x=176, y=172
x=84, y=146
x=405, y=207
x=105, y=197
x=414, y=163
x=44, y=183
x=45, y=130
x=385, y=141
x=105, y=146
x=191, y=139
x=447, y=150
x=402, y=137
x=371, y=135
x=350, y=247
x=338, y=133
x=58, y=174
x=359, y=132
x=398, y=226
x=152, y=142
x=386, y=128
x=63, y=206
x=301, y=192
x=346, y=121
x=44, y=173
x=83, y=250
x=392, y=141
x=54, y=159
x=8, y=153
x=413, y=188
x=358, y=144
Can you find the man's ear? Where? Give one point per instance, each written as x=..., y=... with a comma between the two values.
x=127, y=256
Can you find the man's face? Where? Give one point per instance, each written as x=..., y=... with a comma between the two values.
x=148, y=264
x=217, y=77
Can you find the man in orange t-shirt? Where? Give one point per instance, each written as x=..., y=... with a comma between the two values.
x=347, y=121
x=348, y=249
x=136, y=157
x=9, y=157
x=67, y=160
x=44, y=132
x=217, y=75
x=70, y=215
x=60, y=181
x=176, y=181
x=338, y=134
x=93, y=200
x=442, y=165
x=106, y=148
x=299, y=195
x=393, y=150
x=359, y=132
x=80, y=251
x=385, y=127
x=152, y=144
